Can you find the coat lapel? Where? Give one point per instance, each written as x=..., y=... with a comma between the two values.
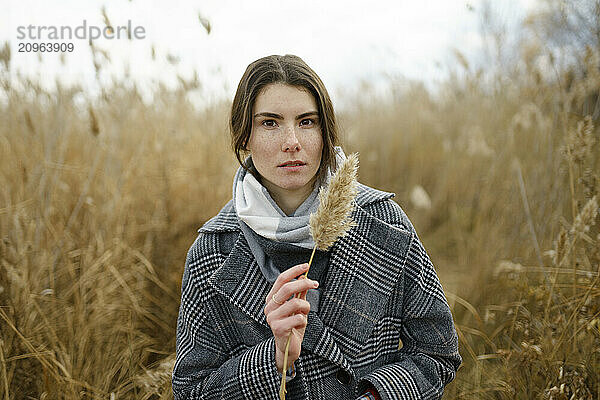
x=364, y=267
x=239, y=279
x=319, y=340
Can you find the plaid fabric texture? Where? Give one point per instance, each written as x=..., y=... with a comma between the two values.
x=383, y=320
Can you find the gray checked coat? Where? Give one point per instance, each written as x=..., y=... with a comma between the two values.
x=383, y=319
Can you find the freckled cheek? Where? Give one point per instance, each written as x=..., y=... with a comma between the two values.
x=315, y=144
x=266, y=146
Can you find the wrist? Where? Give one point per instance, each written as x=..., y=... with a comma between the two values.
x=291, y=370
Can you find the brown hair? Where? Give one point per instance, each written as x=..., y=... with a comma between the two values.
x=291, y=70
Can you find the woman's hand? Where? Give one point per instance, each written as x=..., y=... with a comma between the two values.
x=287, y=315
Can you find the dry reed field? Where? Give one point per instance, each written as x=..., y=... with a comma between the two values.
x=100, y=198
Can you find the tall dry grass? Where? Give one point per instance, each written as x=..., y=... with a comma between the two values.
x=511, y=171
x=100, y=199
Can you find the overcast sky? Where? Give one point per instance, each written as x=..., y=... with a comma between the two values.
x=344, y=41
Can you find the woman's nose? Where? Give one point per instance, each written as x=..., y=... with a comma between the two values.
x=290, y=141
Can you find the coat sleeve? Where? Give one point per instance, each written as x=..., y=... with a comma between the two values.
x=429, y=358
x=203, y=369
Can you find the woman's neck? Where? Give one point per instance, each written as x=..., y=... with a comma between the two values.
x=289, y=200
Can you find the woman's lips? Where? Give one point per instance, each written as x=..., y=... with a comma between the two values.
x=292, y=166
x=292, y=163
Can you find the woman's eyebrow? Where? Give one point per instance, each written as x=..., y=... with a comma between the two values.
x=268, y=114
x=307, y=114
x=278, y=116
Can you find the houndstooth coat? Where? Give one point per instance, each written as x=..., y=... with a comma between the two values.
x=383, y=319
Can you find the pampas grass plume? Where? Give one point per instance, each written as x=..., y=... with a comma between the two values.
x=332, y=219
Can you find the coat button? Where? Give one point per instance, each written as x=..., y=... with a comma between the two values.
x=343, y=377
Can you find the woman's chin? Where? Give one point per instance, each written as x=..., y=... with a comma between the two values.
x=294, y=185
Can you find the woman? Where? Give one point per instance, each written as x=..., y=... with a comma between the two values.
x=374, y=322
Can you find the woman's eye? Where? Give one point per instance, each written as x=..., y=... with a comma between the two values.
x=307, y=122
x=269, y=123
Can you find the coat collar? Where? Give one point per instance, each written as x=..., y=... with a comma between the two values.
x=226, y=220
x=363, y=268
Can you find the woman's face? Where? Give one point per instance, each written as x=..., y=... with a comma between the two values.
x=286, y=141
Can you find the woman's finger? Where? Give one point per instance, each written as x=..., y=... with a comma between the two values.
x=288, y=290
x=298, y=286
x=293, y=306
x=283, y=327
x=285, y=277
x=303, y=294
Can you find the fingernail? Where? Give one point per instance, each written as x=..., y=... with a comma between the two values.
x=315, y=283
x=305, y=267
